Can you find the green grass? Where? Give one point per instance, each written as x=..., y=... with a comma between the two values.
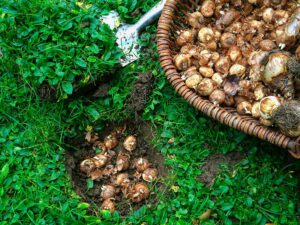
x=35, y=188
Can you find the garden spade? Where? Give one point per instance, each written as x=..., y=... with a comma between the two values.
x=127, y=34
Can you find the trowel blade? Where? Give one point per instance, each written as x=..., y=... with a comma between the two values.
x=127, y=37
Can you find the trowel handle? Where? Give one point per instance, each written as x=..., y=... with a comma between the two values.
x=150, y=16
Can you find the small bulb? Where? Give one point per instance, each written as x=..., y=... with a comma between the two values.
x=268, y=15
x=122, y=162
x=222, y=65
x=108, y=191
x=208, y=8
x=205, y=35
x=238, y=70
x=218, y=78
x=206, y=71
x=206, y=87
x=260, y=92
x=140, y=192
x=267, y=45
x=185, y=37
x=100, y=160
x=193, y=81
x=196, y=20
x=141, y=164
x=111, y=141
x=108, y=204
x=229, y=100
x=268, y=105
x=255, y=110
x=87, y=166
x=215, y=56
x=244, y=108
x=182, y=61
x=234, y=54
x=150, y=174
x=217, y=97
x=122, y=179
x=130, y=143
x=265, y=122
x=204, y=57
x=228, y=40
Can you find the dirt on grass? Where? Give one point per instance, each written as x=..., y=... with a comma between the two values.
x=212, y=166
x=144, y=149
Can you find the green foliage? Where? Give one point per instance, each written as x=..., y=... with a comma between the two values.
x=57, y=42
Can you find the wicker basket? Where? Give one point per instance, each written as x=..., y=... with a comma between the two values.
x=172, y=20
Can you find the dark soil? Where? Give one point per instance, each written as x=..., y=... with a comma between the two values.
x=140, y=94
x=144, y=149
x=212, y=166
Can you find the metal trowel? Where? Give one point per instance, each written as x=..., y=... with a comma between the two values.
x=127, y=34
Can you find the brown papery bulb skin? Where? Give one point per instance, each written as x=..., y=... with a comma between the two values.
x=260, y=92
x=100, y=160
x=287, y=118
x=122, y=179
x=281, y=17
x=212, y=45
x=204, y=57
x=130, y=143
x=276, y=74
x=182, y=61
x=190, y=72
x=297, y=52
x=208, y=8
x=268, y=15
x=206, y=71
x=215, y=56
x=205, y=34
x=206, y=87
x=244, y=108
x=237, y=69
x=223, y=65
x=141, y=164
x=266, y=122
x=227, y=18
x=196, y=20
x=150, y=174
x=193, y=81
x=108, y=191
x=228, y=40
x=96, y=174
x=100, y=145
x=111, y=141
x=268, y=105
x=229, y=101
x=267, y=45
x=185, y=37
x=140, y=192
x=122, y=162
x=217, y=97
x=218, y=78
x=255, y=110
x=109, y=205
x=234, y=53
x=87, y=166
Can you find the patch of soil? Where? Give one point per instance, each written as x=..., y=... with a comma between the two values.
x=140, y=94
x=212, y=166
x=144, y=149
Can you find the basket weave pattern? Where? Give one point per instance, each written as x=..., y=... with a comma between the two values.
x=172, y=20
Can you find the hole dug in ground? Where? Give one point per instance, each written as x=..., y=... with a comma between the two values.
x=125, y=195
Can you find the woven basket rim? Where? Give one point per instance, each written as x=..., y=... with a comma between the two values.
x=226, y=116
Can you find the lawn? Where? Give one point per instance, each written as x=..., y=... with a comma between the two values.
x=48, y=43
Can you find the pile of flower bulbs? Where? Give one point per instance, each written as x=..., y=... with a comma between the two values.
x=245, y=54
x=111, y=167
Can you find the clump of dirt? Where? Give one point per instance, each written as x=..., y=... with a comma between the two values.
x=46, y=92
x=143, y=149
x=212, y=166
x=140, y=94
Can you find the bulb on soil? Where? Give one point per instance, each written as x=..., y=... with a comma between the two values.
x=150, y=174
x=130, y=143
